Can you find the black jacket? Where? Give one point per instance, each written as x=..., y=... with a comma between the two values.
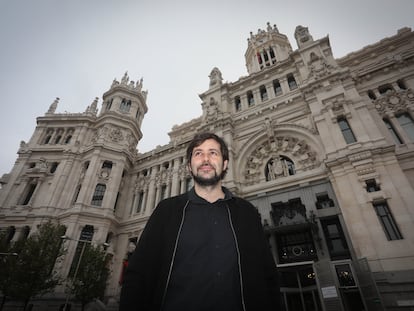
x=146, y=278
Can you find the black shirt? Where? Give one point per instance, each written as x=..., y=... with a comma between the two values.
x=205, y=275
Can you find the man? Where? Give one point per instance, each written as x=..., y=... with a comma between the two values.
x=202, y=250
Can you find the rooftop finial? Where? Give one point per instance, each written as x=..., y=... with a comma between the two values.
x=53, y=106
x=125, y=78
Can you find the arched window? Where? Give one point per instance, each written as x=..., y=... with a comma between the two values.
x=313, y=57
x=385, y=88
x=125, y=105
x=98, y=195
x=401, y=84
x=237, y=103
x=272, y=55
x=109, y=104
x=68, y=139
x=75, y=197
x=371, y=95
x=47, y=139
x=107, y=164
x=10, y=234
x=279, y=167
x=25, y=233
x=392, y=131
x=276, y=87
x=250, y=98
x=58, y=139
x=54, y=167
x=407, y=124
x=346, y=130
x=266, y=58
x=30, y=189
x=263, y=93
x=140, y=202
x=291, y=82
x=259, y=58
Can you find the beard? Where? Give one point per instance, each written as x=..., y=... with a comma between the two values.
x=212, y=181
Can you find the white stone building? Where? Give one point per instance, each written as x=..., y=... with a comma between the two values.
x=323, y=147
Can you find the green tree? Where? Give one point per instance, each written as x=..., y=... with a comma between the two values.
x=31, y=272
x=7, y=266
x=89, y=279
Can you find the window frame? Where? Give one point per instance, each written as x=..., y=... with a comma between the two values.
x=346, y=130
x=387, y=221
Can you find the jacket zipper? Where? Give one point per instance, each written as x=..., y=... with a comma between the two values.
x=238, y=258
x=173, y=256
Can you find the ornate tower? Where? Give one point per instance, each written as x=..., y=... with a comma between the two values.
x=266, y=48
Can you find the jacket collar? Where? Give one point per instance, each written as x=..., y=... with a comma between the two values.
x=193, y=197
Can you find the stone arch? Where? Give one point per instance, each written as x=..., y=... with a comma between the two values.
x=294, y=142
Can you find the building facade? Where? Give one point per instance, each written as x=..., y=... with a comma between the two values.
x=323, y=147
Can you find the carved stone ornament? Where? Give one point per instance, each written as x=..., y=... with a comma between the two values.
x=298, y=151
x=104, y=173
x=116, y=135
x=215, y=77
x=393, y=101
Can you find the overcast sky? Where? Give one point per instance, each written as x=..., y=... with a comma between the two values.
x=74, y=49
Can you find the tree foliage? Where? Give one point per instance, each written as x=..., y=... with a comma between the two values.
x=89, y=280
x=31, y=273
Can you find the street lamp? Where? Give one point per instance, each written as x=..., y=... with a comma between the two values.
x=64, y=237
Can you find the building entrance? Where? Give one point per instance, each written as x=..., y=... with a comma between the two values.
x=298, y=288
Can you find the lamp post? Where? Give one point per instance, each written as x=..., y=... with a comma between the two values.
x=64, y=237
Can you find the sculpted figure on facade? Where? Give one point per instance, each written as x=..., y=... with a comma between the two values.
x=215, y=77
x=211, y=110
x=116, y=135
x=276, y=168
x=125, y=78
x=53, y=106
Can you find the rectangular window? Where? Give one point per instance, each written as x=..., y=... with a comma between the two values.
x=324, y=201
x=392, y=131
x=407, y=124
x=346, y=130
x=237, y=103
x=98, y=195
x=29, y=193
x=335, y=239
x=372, y=185
x=263, y=93
x=140, y=202
x=291, y=82
x=277, y=88
x=250, y=98
x=387, y=221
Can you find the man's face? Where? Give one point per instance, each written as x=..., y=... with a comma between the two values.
x=207, y=163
